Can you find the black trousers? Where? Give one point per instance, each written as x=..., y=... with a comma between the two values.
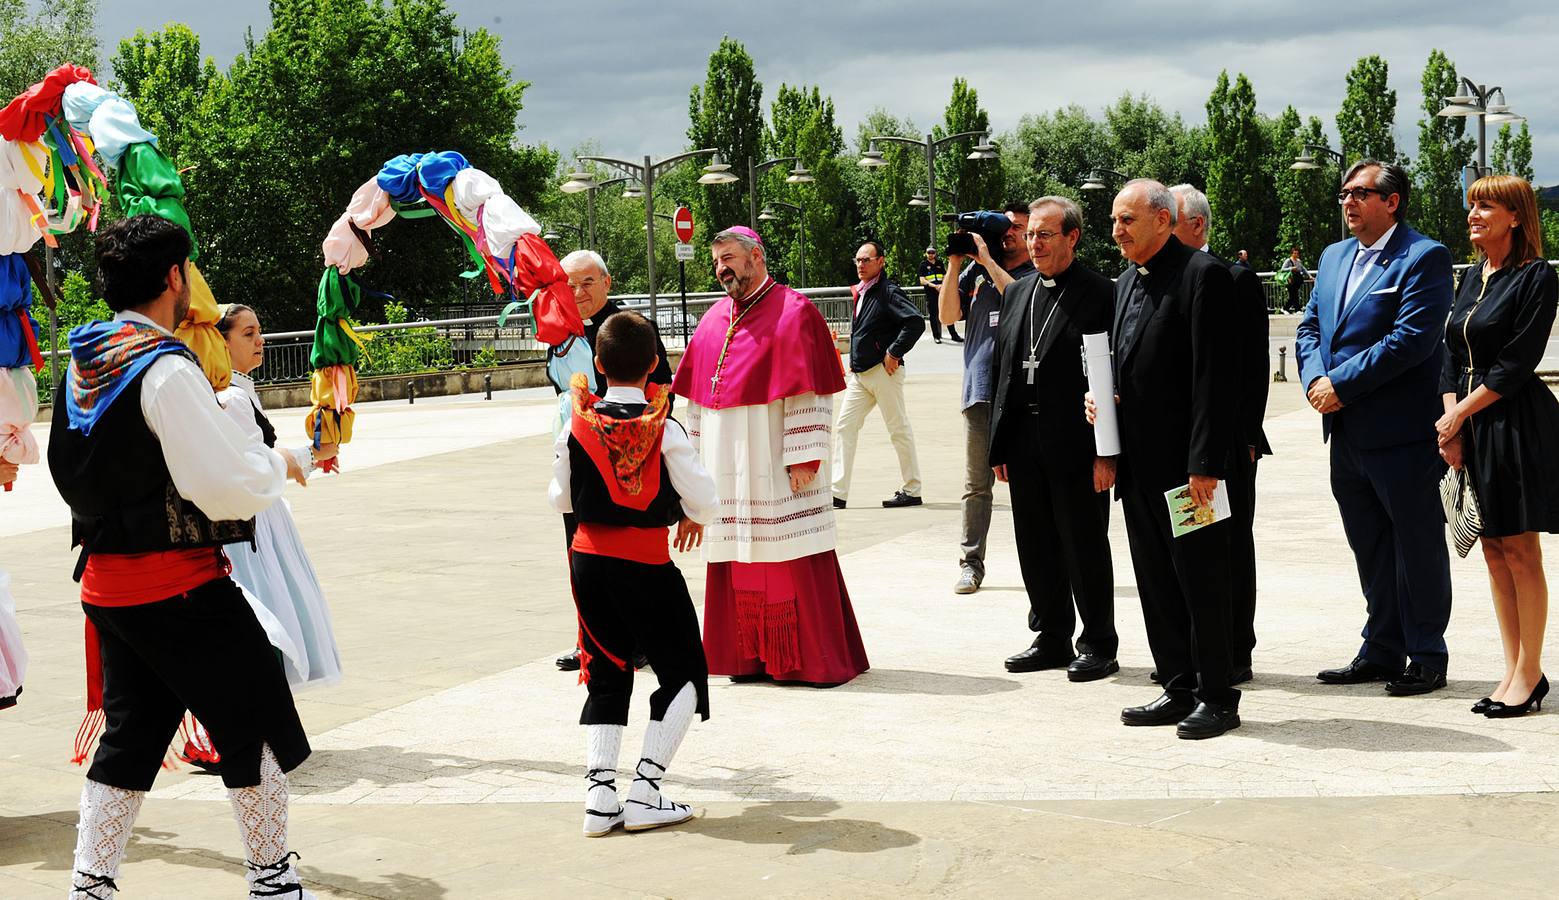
x=624, y=605
x=1061, y=525
x=1242, y=565
x=205, y=652
x=932, y=313
x=1184, y=587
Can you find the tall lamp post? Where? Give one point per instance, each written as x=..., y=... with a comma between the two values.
x=768, y=216
x=1305, y=161
x=717, y=172
x=872, y=159
x=550, y=234
x=580, y=180
x=798, y=175
x=1489, y=105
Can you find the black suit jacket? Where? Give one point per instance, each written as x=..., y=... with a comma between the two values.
x=886, y=322
x=1085, y=306
x=1253, y=342
x=662, y=373
x=1175, y=373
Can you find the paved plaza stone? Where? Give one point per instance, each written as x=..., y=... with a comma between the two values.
x=449, y=763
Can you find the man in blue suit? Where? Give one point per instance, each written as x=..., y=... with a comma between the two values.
x=1369, y=349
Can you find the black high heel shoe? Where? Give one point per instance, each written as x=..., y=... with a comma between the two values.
x=1482, y=706
x=1533, y=703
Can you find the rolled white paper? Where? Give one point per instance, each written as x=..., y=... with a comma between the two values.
x=1101, y=383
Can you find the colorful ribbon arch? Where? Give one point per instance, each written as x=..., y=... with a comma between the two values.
x=502, y=240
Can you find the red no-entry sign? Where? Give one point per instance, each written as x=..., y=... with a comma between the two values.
x=682, y=222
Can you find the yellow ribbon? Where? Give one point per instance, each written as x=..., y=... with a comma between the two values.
x=346, y=328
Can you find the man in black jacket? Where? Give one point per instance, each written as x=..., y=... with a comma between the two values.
x=1044, y=449
x=1172, y=341
x=1251, y=382
x=884, y=326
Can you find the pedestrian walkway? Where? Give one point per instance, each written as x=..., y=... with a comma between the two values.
x=448, y=765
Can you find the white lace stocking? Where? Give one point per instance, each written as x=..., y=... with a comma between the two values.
x=107, y=817
x=661, y=740
x=261, y=812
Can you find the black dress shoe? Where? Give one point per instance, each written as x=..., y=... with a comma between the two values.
x=569, y=662
x=1091, y=667
x=640, y=660
x=1208, y=720
x=1153, y=677
x=752, y=678
x=1416, y=680
x=1037, y=659
x=899, y=499
x=1360, y=671
x=1168, y=709
x=1241, y=676
x=838, y=504
x=1482, y=706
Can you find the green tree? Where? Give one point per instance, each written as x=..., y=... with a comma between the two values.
x=1237, y=171
x=1512, y=152
x=34, y=43
x=1052, y=154
x=726, y=112
x=1443, y=148
x=1308, y=214
x=801, y=123
x=885, y=192
x=1369, y=109
x=973, y=183
x=164, y=72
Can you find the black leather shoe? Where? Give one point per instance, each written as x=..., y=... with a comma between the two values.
x=1241, y=676
x=1416, y=680
x=1208, y=720
x=1166, y=710
x=1482, y=706
x=1360, y=671
x=569, y=662
x=838, y=504
x=1035, y=659
x=899, y=499
x=640, y=660
x=1091, y=667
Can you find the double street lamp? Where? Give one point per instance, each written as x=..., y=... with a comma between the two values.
x=551, y=233
x=716, y=172
x=1488, y=104
x=872, y=159
x=1306, y=162
x=798, y=175
x=768, y=216
x=580, y=180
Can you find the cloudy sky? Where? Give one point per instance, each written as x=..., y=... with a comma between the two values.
x=618, y=71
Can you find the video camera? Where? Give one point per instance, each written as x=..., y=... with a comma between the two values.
x=992, y=226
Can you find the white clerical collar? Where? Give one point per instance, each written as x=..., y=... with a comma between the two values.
x=768, y=281
x=1207, y=248
x=131, y=315
x=1380, y=243
x=619, y=393
x=1142, y=270
x=1047, y=282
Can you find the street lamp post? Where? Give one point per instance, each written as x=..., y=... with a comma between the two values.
x=716, y=172
x=581, y=180
x=1095, y=179
x=768, y=215
x=872, y=159
x=1488, y=104
x=1305, y=161
x=798, y=175
x=550, y=234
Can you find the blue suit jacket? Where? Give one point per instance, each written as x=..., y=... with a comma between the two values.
x=1383, y=352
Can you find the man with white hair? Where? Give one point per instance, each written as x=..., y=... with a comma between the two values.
x=1250, y=314
x=591, y=283
x=759, y=378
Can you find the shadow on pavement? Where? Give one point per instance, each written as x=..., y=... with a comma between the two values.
x=1371, y=736
x=783, y=823
x=49, y=841
x=914, y=681
x=1308, y=686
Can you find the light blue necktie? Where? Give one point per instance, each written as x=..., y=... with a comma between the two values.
x=1361, y=266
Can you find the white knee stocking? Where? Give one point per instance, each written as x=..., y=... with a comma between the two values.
x=603, y=744
x=661, y=741
x=107, y=817
x=261, y=812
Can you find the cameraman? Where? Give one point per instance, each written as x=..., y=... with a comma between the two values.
x=975, y=297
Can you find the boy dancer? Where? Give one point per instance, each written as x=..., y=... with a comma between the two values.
x=627, y=477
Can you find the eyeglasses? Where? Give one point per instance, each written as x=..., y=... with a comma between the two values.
x=587, y=284
x=1359, y=194
x=866, y=259
x=1044, y=237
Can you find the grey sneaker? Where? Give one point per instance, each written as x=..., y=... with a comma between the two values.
x=968, y=582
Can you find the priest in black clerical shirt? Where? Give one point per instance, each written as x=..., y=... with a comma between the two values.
x=1174, y=360
x=1044, y=449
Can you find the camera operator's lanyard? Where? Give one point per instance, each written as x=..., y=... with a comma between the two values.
x=747, y=303
x=1032, y=363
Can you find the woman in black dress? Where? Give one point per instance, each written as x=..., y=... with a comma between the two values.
x=1502, y=422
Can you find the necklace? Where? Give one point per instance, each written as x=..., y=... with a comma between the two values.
x=1032, y=363
x=747, y=303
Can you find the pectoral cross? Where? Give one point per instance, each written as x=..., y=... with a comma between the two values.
x=714, y=383
x=1029, y=365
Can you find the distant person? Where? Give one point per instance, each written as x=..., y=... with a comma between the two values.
x=1044, y=449
x=1369, y=349
x=1192, y=222
x=975, y=298
x=1297, y=276
x=1243, y=259
x=932, y=271
x=1502, y=422
x=884, y=326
